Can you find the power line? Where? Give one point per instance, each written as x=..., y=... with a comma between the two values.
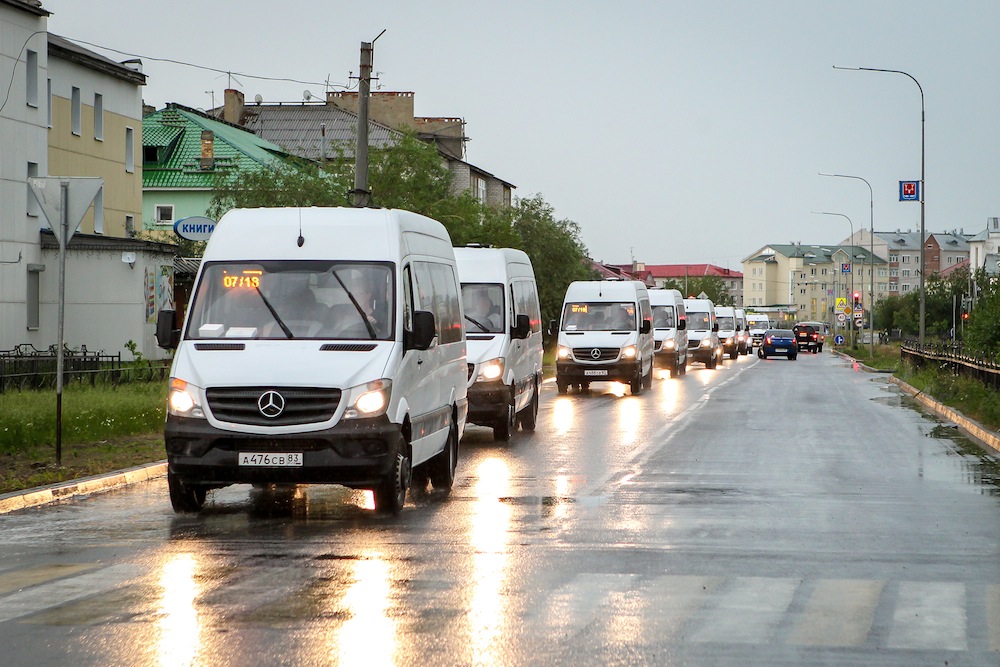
x=209, y=69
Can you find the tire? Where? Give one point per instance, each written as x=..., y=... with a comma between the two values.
x=635, y=385
x=762, y=354
x=507, y=423
x=528, y=417
x=712, y=362
x=733, y=354
x=647, y=380
x=793, y=357
x=391, y=493
x=442, y=467
x=184, y=497
x=562, y=386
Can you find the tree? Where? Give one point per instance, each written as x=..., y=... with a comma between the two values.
x=982, y=330
x=713, y=286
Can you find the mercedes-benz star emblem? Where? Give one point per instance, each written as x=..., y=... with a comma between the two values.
x=595, y=353
x=271, y=404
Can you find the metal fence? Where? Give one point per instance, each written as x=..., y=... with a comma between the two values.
x=969, y=364
x=26, y=367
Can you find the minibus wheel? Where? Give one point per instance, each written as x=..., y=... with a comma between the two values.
x=529, y=416
x=391, y=493
x=506, y=423
x=442, y=466
x=184, y=497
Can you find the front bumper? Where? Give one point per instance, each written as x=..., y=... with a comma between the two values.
x=358, y=453
x=618, y=371
x=488, y=402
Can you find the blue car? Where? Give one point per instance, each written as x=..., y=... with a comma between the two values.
x=778, y=343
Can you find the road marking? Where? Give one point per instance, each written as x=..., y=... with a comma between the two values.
x=993, y=615
x=576, y=604
x=37, y=598
x=748, y=612
x=669, y=601
x=32, y=576
x=929, y=615
x=839, y=613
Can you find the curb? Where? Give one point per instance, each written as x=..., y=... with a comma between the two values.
x=18, y=500
x=973, y=428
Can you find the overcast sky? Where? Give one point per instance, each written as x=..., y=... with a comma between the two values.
x=671, y=131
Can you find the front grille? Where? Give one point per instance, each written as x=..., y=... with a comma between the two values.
x=604, y=353
x=302, y=405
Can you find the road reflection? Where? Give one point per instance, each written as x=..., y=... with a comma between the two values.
x=562, y=415
x=367, y=636
x=489, y=535
x=628, y=420
x=179, y=624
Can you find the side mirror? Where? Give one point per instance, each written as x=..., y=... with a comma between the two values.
x=682, y=325
x=553, y=327
x=167, y=333
x=645, y=327
x=715, y=327
x=423, y=330
x=522, y=327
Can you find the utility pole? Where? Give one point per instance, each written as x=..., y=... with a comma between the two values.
x=362, y=197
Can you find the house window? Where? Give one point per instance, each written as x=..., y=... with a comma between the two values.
x=951, y=260
x=33, y=296
x=894, y=272
x=129, y=150
x=33, y=208
x=98, y=117
x=48, y=97
x=99, y=212
x=129, y=226
x=893, y=287
x=906, y=259
x=31, y=78
x=149, y=154
x=479, y=188
x=906, y=273
x=506, y=197
x=906, y=287
x=893, y=258
x=164, y=214
x=77, y=111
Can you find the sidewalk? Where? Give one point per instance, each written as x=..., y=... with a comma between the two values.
x=989, y=439
x=18, y=500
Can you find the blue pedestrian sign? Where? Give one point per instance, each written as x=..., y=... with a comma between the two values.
x=838, y=339
x=909, y=191
x=845, y=267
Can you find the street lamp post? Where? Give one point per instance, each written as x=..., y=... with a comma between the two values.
x=850, y=327
x=871, y=258
x=923, y=241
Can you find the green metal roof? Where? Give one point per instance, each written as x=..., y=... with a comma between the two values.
x=176, y=132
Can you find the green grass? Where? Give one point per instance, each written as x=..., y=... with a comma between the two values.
x=89, y=414
x=967, y=395
x=886, y=357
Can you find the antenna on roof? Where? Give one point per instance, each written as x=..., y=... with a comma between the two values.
x=301, y=240
x=306, y=95
x=257, y=98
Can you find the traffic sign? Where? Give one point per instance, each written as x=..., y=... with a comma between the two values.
x=841, y=302
x=838, y=339
x=909, y=191
x=859, y=322
x=841, y=318
x=858, y=308
x=845, y=267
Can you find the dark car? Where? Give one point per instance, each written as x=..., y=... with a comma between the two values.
x=807, y=338
x=778, y=343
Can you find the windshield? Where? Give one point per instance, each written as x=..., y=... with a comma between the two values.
x=759, y=325
x=726, y=323
x=483, y=306
x=294, y=299
x=663, y=317
x=603, y=316
x=698, y=321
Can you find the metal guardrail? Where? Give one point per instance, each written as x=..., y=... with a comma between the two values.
x=975, y=365
x=26, y=367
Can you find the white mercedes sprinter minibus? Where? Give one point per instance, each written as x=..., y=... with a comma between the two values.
x=703, y=332
x=321, y=345
x=726, y=318
x=605, y=334
x=669, y=330
x=503, y=332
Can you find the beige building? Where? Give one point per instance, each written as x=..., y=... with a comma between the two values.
x=799, y=282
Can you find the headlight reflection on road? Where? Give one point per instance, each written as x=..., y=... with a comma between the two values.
x=628, y=421
x=669, y=395
x=491, y=518
x=562, y=415
x=366, y=638
x=180, y=628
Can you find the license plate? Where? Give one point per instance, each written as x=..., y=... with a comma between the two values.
x=595, y=372
x=277, y=460
x=781, y=349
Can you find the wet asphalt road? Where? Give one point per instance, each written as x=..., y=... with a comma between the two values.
x=765, y=513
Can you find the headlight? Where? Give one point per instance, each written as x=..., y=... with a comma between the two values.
x=628, y=352
x=368, y=400
x=729, y=341
x=706, y=342
x=668, y=344
x=563, y=352
x=184, y=400
x=490, y=370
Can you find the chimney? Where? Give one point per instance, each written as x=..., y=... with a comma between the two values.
x=207, y=149
x=392, y=109
x=232, y=111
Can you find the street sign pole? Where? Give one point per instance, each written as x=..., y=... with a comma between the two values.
x=64, y=211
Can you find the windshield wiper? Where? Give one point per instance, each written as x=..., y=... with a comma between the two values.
x=274, y=313
x=478, y=324
x=357, y=306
